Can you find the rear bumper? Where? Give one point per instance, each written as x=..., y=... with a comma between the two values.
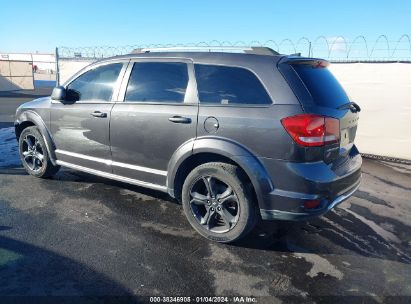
x=270, y=215
x=293, y=184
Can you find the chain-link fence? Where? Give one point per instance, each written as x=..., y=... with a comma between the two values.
x=336, y=48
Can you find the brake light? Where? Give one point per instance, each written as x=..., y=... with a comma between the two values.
x=320, y=64
x=310, y=130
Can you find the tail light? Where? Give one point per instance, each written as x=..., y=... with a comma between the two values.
x=311, y=130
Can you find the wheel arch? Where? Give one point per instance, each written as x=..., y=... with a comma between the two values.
x=217, y=149
x=30, y=118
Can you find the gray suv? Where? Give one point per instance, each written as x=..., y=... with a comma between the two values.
x=237, y=137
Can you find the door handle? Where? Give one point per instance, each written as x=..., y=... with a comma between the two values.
x=180, y=119
x=99, y=114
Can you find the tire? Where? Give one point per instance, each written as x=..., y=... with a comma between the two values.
x=231, y=194
x=34, y=155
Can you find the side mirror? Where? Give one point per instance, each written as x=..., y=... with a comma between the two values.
x=59, y=93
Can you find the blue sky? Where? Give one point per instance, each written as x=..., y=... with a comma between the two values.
x=28, y=26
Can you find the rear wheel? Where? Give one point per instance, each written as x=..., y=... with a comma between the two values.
x=217, y=202
x=34, y=154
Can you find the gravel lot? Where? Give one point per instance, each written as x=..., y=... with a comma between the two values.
x=77, y=234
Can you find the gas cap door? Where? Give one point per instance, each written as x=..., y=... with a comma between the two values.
x=211, y=124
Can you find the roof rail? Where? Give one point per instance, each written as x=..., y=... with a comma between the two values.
x=257, y=50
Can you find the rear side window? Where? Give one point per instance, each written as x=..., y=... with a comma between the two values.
x=157, y=82
x=325, y=90
x=96, y=84
x=229, y=85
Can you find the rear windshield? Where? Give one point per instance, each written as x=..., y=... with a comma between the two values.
x=325, y=90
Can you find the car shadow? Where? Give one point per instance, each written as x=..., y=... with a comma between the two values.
x=339, y=228
x=30, y=271
x=78, y=176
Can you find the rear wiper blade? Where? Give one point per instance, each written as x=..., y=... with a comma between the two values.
x=350, y=105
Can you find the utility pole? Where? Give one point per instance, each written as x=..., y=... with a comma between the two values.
x=57, y=67
x=309, y=49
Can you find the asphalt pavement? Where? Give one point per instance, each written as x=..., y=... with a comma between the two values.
x=80, y=235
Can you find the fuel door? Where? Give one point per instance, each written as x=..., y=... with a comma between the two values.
x=211, y=124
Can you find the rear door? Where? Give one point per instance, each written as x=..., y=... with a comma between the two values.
x=235, y=105
x=157, y=116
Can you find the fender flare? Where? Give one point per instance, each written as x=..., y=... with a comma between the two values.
x=244, y=158
x=35, y=118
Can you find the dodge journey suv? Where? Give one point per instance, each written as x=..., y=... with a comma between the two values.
x=237, y=137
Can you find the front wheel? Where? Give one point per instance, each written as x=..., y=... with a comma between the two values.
x=218, y=203
x=34, y=154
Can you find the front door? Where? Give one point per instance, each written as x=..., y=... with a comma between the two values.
x=158, y=115
x=80, y=124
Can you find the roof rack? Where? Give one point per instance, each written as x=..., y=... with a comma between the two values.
x=257, y=50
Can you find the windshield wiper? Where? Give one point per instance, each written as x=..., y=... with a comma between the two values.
x=350, y=105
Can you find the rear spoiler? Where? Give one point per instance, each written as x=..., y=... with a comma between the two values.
x=314, y=62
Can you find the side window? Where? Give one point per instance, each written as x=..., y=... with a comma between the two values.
x=96, y=84
x=229, y=85
x=157, y=82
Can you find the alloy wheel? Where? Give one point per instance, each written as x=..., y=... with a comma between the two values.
x=214, y=204
x=32, y=152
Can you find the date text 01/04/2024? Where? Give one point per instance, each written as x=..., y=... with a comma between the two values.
x=221, y=299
